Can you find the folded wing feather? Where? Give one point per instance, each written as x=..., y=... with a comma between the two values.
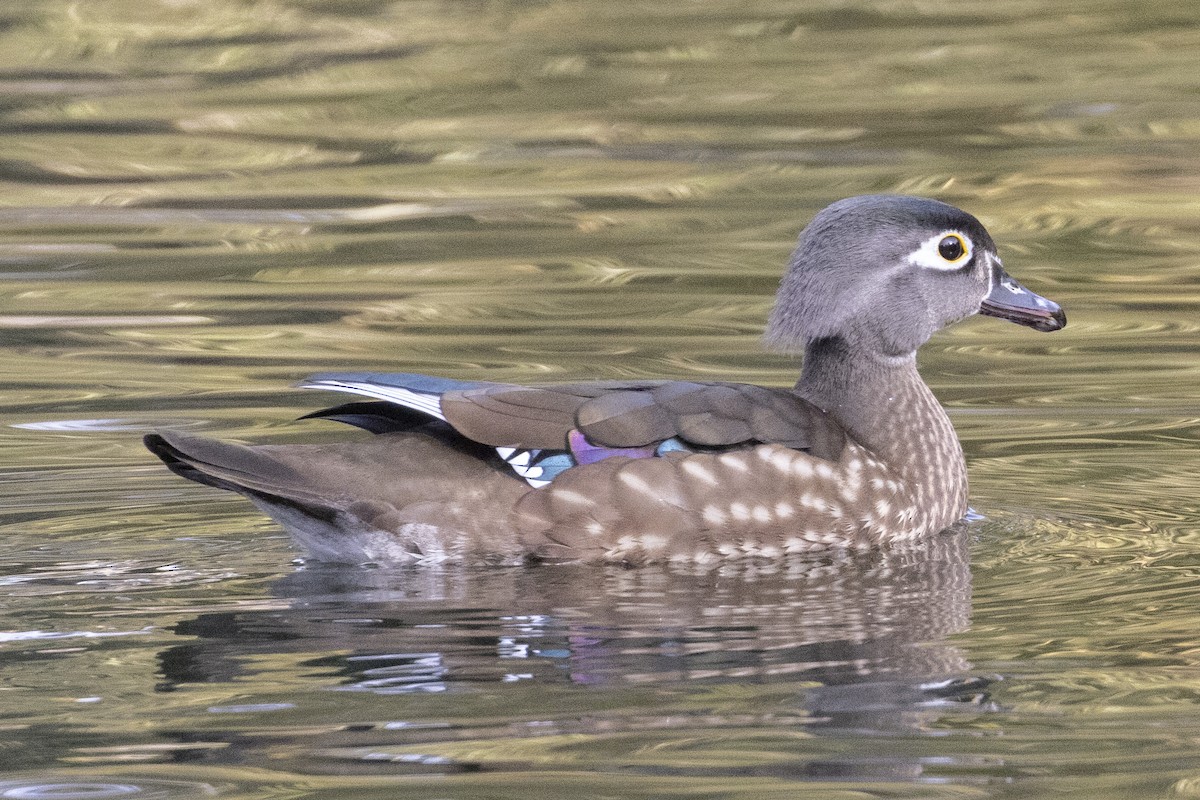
x=616, y=414
x=637, y=414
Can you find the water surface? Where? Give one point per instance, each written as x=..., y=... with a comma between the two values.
x=205, y=202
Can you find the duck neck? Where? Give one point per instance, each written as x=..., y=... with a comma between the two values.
x=879, y=400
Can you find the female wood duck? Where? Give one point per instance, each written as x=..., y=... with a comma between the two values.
x=858, y=454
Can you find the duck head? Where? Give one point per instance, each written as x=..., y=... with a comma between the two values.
x=885, y=272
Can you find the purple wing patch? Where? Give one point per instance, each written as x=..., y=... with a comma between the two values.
x=539, y=467
x=587, y=453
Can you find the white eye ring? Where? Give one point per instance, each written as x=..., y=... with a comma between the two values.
x=929, y=256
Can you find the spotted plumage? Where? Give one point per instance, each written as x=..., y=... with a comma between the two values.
x=857, y=454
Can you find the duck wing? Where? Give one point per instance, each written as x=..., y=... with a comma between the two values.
x=601, y=415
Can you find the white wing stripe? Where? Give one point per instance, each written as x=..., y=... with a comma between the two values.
x=430, y=404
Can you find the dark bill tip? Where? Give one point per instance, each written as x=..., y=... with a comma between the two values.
x=1011, y=301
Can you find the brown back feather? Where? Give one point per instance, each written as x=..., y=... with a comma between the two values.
x=637, y=413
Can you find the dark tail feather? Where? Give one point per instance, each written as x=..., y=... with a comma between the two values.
x=181, y=463
x=233, y=467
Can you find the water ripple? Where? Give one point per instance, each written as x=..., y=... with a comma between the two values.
x=73, y=788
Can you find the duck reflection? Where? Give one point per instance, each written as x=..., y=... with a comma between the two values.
x=864, y=635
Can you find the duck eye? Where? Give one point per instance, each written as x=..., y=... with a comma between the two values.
x=952, y=247
x=948, y=251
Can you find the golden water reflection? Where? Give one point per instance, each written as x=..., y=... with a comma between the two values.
x=205, y=202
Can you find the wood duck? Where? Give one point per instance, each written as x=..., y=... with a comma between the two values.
x=859, y=453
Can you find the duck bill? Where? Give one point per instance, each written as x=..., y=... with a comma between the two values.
x=1011, y=301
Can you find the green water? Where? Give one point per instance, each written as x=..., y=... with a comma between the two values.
x=206, y=201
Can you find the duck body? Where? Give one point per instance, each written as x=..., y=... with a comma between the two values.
x=859, y=453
